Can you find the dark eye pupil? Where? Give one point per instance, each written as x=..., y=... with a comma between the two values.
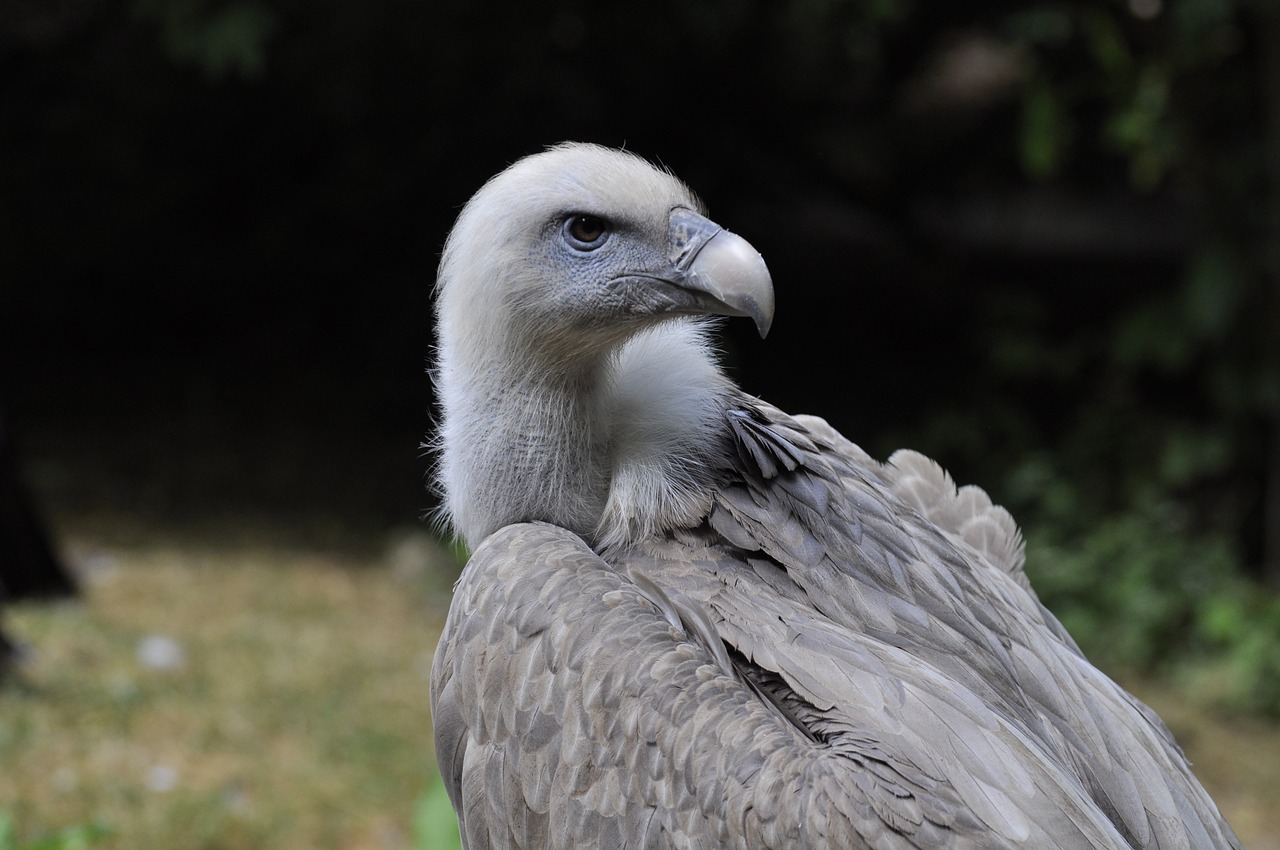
x=586, y=228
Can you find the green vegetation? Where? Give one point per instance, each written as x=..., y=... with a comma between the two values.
x=434, y=825
x=70, y=838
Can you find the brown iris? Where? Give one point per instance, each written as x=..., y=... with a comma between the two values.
x=586, y=232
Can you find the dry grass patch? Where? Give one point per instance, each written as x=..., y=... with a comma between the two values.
x=224, y=699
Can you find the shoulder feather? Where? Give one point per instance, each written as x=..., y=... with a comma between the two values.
x=966, y=513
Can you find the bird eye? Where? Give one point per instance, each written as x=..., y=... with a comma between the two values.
x=586, y=232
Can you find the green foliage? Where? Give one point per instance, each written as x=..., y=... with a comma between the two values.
x=71, y=838
x=1243, y=628
x=1132, y=586
x=1045, y=130
x=435, y=827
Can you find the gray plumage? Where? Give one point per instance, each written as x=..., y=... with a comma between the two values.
x=691, y=620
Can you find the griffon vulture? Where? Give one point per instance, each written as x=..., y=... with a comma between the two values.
x=691, y=620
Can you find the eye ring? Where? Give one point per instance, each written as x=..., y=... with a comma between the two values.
x=586, y=232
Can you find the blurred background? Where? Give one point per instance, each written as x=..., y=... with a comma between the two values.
x=1039, y=241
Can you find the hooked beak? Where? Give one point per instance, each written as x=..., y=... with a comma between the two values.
x=723, y=265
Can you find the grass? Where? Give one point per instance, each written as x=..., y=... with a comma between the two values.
x=296, y=716
x=294, y=713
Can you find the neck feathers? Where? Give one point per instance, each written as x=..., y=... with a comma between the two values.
x=666, y=401
x=616, y=453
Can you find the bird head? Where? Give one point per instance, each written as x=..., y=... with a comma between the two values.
x=571, y=251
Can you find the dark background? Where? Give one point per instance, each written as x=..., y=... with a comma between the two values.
x=1035, y=240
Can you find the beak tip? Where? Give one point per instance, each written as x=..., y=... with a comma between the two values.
x=762, y=317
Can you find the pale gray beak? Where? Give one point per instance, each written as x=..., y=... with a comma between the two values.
x=723, y=265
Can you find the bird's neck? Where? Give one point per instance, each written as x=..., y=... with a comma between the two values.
x=614, y=449
x=522, y=443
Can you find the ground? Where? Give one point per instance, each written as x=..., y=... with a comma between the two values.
x=226, y=698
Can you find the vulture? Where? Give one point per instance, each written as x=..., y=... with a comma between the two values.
x=691, y=620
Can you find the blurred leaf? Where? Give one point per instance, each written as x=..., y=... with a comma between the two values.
x=226, y=40
x=1255, y=656
x=1044, y=132
x=1139, y=127
x=1106, y=43
x=71, y=838
x=1191, y=455
x=435, y=826
x=1222, y=619
x=1165, y=333
x=1151, y=335
x=1212, y=292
